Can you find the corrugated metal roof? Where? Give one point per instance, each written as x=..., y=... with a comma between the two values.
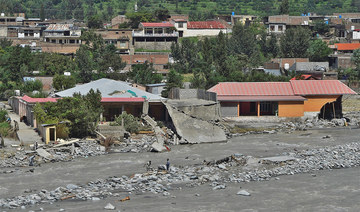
x=260, y=98
x=163, y=24
x=347, y=46
x=205, y=25
x=58, y=27
x=110, y=89
x=29, y=99
x=320, y=87
x=253, y=88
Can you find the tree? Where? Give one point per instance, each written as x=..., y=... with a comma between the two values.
x=295, y=42
x=144, y=74
x=62, y=82
x=244, y=41
x=174, y=80
x=162, y=14
x=4, y=43
x=321, y=27
x=318, y=51
x=356, y=59
x=42, y=13
x=85, y=61
x=136, y=18
x=82, y=113
x=272, y=47
x=284, y=7
x=95, y=22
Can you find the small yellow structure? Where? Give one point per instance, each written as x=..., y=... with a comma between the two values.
x=48, y=133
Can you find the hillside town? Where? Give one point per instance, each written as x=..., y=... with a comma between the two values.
x=161, y=112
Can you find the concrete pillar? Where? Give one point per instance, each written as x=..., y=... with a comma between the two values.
x=258, y=108
x=101, y=117
x=122, y=108
x=145, y=107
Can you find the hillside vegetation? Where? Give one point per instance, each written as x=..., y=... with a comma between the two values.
x=106, y=9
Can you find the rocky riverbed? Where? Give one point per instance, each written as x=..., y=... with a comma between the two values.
x=235, y=168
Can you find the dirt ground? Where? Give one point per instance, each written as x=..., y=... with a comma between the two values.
x=336, y=190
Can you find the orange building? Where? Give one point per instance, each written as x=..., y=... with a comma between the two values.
x=284, y=99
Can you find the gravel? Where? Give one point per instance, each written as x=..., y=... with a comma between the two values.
x=161, y=182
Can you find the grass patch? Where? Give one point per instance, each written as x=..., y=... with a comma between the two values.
x=187, y=77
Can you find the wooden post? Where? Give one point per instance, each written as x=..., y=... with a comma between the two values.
x=258, y=108
x=334, y=109
x=238, y=112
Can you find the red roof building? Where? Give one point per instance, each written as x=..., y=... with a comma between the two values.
x=284, y=99
x=347, y=46
x=161, y=24
x=205, y=25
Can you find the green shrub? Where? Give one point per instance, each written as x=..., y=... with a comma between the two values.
x=131, y=123
x=4, y=129
x=3, y=114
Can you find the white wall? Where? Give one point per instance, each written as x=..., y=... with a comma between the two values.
x=37, y=35
x=356, y=35
x=202, y=32
x=21, y=35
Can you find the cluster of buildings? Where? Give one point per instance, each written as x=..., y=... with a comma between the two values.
x=152, y=41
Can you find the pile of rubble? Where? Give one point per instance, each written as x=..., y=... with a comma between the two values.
x=141, y=144
x=236, y=168
x=80, y=148
x=288, y=127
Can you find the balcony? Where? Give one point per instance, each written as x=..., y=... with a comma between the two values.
x=142, y=34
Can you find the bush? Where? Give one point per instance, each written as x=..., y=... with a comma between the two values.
x=3, y=114
x=131, y=123
x=4, y=129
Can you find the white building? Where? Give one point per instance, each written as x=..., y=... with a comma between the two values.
x=199, y=28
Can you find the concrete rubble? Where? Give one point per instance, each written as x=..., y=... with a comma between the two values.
x=350, y=120
x=237, y=171
x=69, y=150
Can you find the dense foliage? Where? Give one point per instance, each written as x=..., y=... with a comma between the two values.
x=198, y=9
x=81, y=112
x=131, y=123
x=223, y=58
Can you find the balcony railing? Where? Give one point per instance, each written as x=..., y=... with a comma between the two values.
x=142, y=34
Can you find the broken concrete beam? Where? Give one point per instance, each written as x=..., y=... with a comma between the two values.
x=66, y=143
x=156, y=147
x=43, y=153
x=195, y=130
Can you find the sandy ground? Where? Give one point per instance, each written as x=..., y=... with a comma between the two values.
x=336, y=190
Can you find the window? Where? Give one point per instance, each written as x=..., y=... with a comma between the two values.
x=280, y=28
x=265, y=107
x=158, y=30
x=181, y=25
x=272, y=28
x=148, y=31
x=122, y=44
x=252, y=107
x=117, y=33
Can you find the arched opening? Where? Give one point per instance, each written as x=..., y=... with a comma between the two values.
x=332, y=110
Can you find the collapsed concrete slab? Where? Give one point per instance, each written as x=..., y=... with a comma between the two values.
x=194, y=130
x=43, y=153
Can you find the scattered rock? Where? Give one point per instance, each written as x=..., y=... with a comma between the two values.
x=109, y=207
x=243, y=193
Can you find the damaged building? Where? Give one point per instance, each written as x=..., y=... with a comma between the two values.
x=296, y=98
x=118, y=96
